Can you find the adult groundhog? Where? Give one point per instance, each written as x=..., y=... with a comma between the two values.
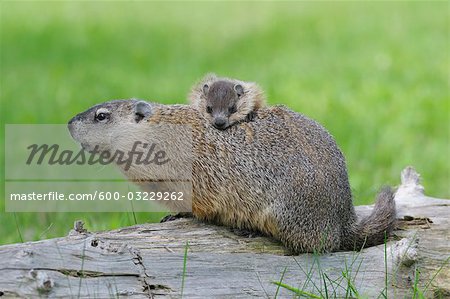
x=281, y=174
x=225, y=102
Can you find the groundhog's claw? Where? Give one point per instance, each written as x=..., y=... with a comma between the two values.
x=176, y=216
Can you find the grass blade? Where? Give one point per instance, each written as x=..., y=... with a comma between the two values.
x=296, y=291
x=184, y=267
x=281, y=281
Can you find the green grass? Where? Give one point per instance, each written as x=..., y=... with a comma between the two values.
x=346, y=282
x=183, y=276
x=374, y=74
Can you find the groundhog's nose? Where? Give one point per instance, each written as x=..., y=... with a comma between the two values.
x=220, y=123
x=74, y=119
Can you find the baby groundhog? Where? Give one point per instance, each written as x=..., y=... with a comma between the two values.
x=225, y=102
x=289, y=182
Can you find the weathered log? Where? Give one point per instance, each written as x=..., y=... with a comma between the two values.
x=149, y=260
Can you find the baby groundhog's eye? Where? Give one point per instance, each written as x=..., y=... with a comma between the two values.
x=232, y=109
x=209, y=109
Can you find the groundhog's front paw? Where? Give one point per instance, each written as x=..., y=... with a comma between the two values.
x=251, y=116
x=176, y=216
x=246, y=233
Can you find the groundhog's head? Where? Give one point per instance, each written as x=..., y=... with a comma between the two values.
x=225, y=102
x=155, y=155
x=221, y=101
x=101, y=125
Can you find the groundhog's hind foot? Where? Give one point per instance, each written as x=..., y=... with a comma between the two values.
x=246, y=233
x=176, y=216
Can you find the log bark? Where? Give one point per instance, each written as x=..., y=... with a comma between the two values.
x=154, y=260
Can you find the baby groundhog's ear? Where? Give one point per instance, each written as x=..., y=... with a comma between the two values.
x=239, y=90
x=142, y=110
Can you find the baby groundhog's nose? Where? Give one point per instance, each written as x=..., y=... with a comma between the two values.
x=220, y=123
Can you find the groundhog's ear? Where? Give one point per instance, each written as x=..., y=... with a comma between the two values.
x=239, y=90
x=205, y=89
x=142, y=110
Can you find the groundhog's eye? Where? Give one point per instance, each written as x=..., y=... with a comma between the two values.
x=232, y=109
x=209, y=109
x=102, y=117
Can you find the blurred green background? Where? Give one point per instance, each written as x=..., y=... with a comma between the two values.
x=374, y=74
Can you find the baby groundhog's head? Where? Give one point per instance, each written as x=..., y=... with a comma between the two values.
x=221, y=101
x=225, y=102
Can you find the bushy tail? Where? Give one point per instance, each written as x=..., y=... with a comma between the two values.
x=372, y=230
